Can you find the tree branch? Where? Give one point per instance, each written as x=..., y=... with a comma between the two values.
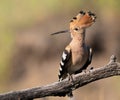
x=61, y=88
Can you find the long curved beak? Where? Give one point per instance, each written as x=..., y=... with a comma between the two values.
x=59, y=32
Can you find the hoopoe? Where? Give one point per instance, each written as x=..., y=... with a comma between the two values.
x=77, y=55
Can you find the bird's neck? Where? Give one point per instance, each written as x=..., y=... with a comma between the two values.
x=79, y=38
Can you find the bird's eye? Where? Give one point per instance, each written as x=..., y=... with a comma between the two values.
x=76, y=29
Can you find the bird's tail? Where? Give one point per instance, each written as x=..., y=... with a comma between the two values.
x=70, y=95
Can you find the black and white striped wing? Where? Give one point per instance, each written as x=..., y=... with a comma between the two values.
x=64, y=64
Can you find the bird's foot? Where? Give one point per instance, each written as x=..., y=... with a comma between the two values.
x=70, y=78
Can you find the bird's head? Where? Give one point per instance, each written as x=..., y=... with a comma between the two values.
x=81, y=21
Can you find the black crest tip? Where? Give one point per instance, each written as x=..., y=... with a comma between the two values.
x=82, y=12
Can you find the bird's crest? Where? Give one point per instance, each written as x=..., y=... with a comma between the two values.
x=82, y=20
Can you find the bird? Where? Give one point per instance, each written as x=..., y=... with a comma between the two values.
x=77, y=55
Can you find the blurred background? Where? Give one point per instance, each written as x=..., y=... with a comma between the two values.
x=29, y=55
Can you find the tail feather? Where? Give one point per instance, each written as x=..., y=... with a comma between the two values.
x=70, y=94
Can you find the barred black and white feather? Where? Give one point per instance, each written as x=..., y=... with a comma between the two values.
x=63, y=65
